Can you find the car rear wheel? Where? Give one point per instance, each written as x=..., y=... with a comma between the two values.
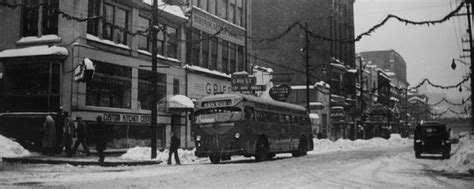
x=417, y=154
x=215, y=158
x=446, y=154
x=302, y=148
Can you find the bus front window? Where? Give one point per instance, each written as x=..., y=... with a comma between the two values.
x=213, y=115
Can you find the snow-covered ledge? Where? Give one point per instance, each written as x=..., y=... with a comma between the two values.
x=34, y=51
x=159, y=56
x=36, y=40
x=107, y=42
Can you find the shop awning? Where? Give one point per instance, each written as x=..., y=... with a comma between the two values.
x=181, y=103
x=34, y=51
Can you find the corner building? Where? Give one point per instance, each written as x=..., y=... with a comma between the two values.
x=46, y=40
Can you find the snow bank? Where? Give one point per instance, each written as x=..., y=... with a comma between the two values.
x=144, y=153
x=9, y=148
x=462, y=158
x=326, y=145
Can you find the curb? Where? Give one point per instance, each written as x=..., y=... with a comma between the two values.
x=79, y=162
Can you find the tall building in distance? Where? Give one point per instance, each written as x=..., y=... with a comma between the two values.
x=388, y=61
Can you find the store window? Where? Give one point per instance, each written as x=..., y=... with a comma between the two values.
x=145, y=90
x=225, y=56
x=232, y=58
x=172, y=42
x=39, y=20
x=214, y=47
x=240, y=58
x=24, y=91
x=143, y=40
x=110, y=87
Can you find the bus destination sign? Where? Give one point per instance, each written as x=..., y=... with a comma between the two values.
x=216, y=103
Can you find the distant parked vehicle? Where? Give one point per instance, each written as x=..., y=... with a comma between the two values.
x=432, y=138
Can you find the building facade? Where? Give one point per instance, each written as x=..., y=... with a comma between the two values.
x=279, y=42
x=52, y=40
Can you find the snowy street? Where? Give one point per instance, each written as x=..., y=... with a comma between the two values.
x=351, y=166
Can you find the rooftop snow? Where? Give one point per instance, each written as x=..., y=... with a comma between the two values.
x=107, y=42
x=205, y=70
x=301, y=87
x=34, y=51
x=35, y=39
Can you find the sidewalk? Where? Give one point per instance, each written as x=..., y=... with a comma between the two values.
x=111, y=159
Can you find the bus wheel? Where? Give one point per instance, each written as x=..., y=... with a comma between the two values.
x=261, y=150
x=215, y=158
x=302, y=148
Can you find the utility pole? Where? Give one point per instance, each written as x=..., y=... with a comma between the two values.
x=361, y=71
x=154, y=111
x=468, y=4
x=307, y=66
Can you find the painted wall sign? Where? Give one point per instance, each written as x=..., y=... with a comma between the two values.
x=200, y=86
x=211, y=24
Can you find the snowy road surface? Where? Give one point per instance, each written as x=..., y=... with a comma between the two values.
x=372, y=168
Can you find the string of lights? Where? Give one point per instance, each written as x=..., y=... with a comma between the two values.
x=451, y=103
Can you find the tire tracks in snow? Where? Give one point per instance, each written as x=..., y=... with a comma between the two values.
x=430, y=174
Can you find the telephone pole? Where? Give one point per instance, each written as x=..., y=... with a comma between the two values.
x=468, y=4
x=307, y=66
x=154, y=51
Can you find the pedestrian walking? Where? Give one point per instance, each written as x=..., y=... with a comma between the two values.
x=68, y=134
x=59, y=130
x=81, y=134
x=49, y=136
x=174, y=145
x=101, y=139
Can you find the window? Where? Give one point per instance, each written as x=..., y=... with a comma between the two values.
x=203, y=5
x=225, y=57
x=145, y=90
x=24, y=91
x=115, y=21
x=205, y=51
x=160, y=40
x=110, y=87
x=214, y=44
x=232, y=49
x=232, y=12
x=172, y=42
x=240, y=58
x=238, y=16
x=36, y=23
x=223, y=9
x=93, y=10
x=175, y=86
x=212, y=6
x=196, y=51
x=143, y=40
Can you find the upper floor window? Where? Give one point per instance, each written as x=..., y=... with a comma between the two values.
x=222, y=8
x=143, y=40
x=40, y=20
x=114, y=21
x=232, y=12
x=172, y=42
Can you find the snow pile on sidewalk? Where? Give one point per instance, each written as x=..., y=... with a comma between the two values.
x=144, y=153
x=326, y=145
x=9, y=148
x=462, y=157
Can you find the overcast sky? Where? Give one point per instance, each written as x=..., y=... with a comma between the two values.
x=428, y=51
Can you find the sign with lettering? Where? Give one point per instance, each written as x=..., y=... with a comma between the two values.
x=212, y=24
x=126, y=118
x=239, y=80
x=280, y=92
x=200, y=86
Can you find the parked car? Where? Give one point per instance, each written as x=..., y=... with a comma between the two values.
x=432, y=138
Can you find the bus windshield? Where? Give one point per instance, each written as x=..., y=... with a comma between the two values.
x=222, y=114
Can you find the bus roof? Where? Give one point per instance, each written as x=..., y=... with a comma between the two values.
x=254, y=99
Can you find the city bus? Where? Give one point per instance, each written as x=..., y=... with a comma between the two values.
x=237, y=124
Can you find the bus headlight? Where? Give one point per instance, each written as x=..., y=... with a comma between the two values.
x=198, y=138
x=237, y=135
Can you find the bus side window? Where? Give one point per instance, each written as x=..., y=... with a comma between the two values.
x=249, y=113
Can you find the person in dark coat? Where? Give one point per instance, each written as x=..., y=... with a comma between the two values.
x=49, y=136
x=81, y=133
x=68, y=134
x=59, y=130
x=101, y=139
x=175, y=144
